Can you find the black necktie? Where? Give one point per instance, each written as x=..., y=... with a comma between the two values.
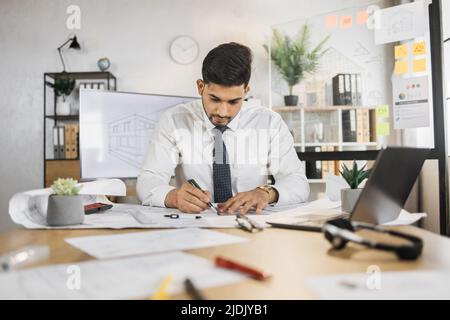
x=221, y=168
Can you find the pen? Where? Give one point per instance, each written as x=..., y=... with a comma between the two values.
x=228, y=264
x=161, y=293
x=192, y=290
x=195, y=184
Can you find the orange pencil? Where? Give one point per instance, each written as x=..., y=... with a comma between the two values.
x=228, y=264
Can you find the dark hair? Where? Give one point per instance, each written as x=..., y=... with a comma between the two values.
x=229, y=64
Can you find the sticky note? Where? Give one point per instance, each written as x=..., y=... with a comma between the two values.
x=383, y=129
x=346, y=22
x=419, y=65
x=401, y=67
x=331, y=21
x=418, y=48
x=401, y=51
x=382, y=111
x=362, y=17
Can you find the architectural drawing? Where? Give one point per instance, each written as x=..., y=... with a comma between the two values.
x=128, y=138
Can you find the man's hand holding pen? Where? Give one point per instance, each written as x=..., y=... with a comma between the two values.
x=188, y=199
x=191, y=198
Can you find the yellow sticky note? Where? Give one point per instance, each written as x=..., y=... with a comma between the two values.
x=401, y=51
x=401, y=67
x=418, y=48
x=382, y=111
x=383, y=129
x=419, y=65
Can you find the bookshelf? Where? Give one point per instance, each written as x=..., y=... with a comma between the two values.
x=66, y=163
x=325, y=129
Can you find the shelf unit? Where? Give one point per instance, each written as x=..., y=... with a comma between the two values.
x=299, y=114
x=301, y=119
x=55, y=168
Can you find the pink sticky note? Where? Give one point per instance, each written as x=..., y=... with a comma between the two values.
x=331, y=21
x=346, y=22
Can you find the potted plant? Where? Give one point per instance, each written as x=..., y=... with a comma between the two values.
x=354, y=177
x=294, y=58
x=65, y=206
x=62, y=87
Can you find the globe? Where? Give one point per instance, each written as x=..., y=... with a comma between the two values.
x=103, y=64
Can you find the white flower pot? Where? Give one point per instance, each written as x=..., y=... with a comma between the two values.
x=65, y=210
x=349, y=198
x=63, y=106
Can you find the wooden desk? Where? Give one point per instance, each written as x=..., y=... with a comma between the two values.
x=290, y=255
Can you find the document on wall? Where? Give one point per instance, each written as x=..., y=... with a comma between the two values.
x=128, y=278
x=377, y=285
x=398, y=23
x=411, y=102
x=137, y=243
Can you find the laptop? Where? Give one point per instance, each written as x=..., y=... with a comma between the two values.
x=384, y=195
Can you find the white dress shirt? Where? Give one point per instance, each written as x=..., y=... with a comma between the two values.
x=258, y=143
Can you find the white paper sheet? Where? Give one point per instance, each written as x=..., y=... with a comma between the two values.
x=406, y=218
x=128, y=278
x=383, y=285
x=411, y=102
x=29, y=208
x=136, y=243
x=401, y=22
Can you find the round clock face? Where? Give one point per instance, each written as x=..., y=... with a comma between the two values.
x=184, y=50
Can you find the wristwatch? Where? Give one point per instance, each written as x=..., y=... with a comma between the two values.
x=267, y=188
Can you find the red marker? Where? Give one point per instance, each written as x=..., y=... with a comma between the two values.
x=228, y=264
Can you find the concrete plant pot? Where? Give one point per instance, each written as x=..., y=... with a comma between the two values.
x=65, y=210
x=349, y=198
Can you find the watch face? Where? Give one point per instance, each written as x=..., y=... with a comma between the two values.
x=184, y=50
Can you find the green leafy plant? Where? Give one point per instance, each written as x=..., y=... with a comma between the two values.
x=65, y=187
x=62, y=86
x=355, y=176
x=294, y=57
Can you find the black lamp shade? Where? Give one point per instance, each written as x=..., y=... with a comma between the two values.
x=74, y=44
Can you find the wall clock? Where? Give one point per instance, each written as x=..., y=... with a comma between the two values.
x=184, y=50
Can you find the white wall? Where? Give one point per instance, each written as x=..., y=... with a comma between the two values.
x=135, y=35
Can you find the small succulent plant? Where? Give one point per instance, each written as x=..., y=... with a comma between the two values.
x=65, y=187
x=355, y=176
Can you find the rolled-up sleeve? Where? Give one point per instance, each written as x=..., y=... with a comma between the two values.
x=159, y=164
x=285, y=166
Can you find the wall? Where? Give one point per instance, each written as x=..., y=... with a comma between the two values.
x=135, y=35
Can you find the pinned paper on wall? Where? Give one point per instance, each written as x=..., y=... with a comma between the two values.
x=382, y=111
x=403, y=22
x=419, y=48
x=383, y=129
x=401, y=51
x=346, y=22
x=401, y=67
x=411, y=108
x=419, y=65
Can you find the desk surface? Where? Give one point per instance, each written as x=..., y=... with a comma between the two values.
x=291, y=256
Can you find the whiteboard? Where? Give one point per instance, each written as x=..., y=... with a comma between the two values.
x=115, y=130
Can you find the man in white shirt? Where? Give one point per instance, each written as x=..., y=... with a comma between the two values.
x=227, y=145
